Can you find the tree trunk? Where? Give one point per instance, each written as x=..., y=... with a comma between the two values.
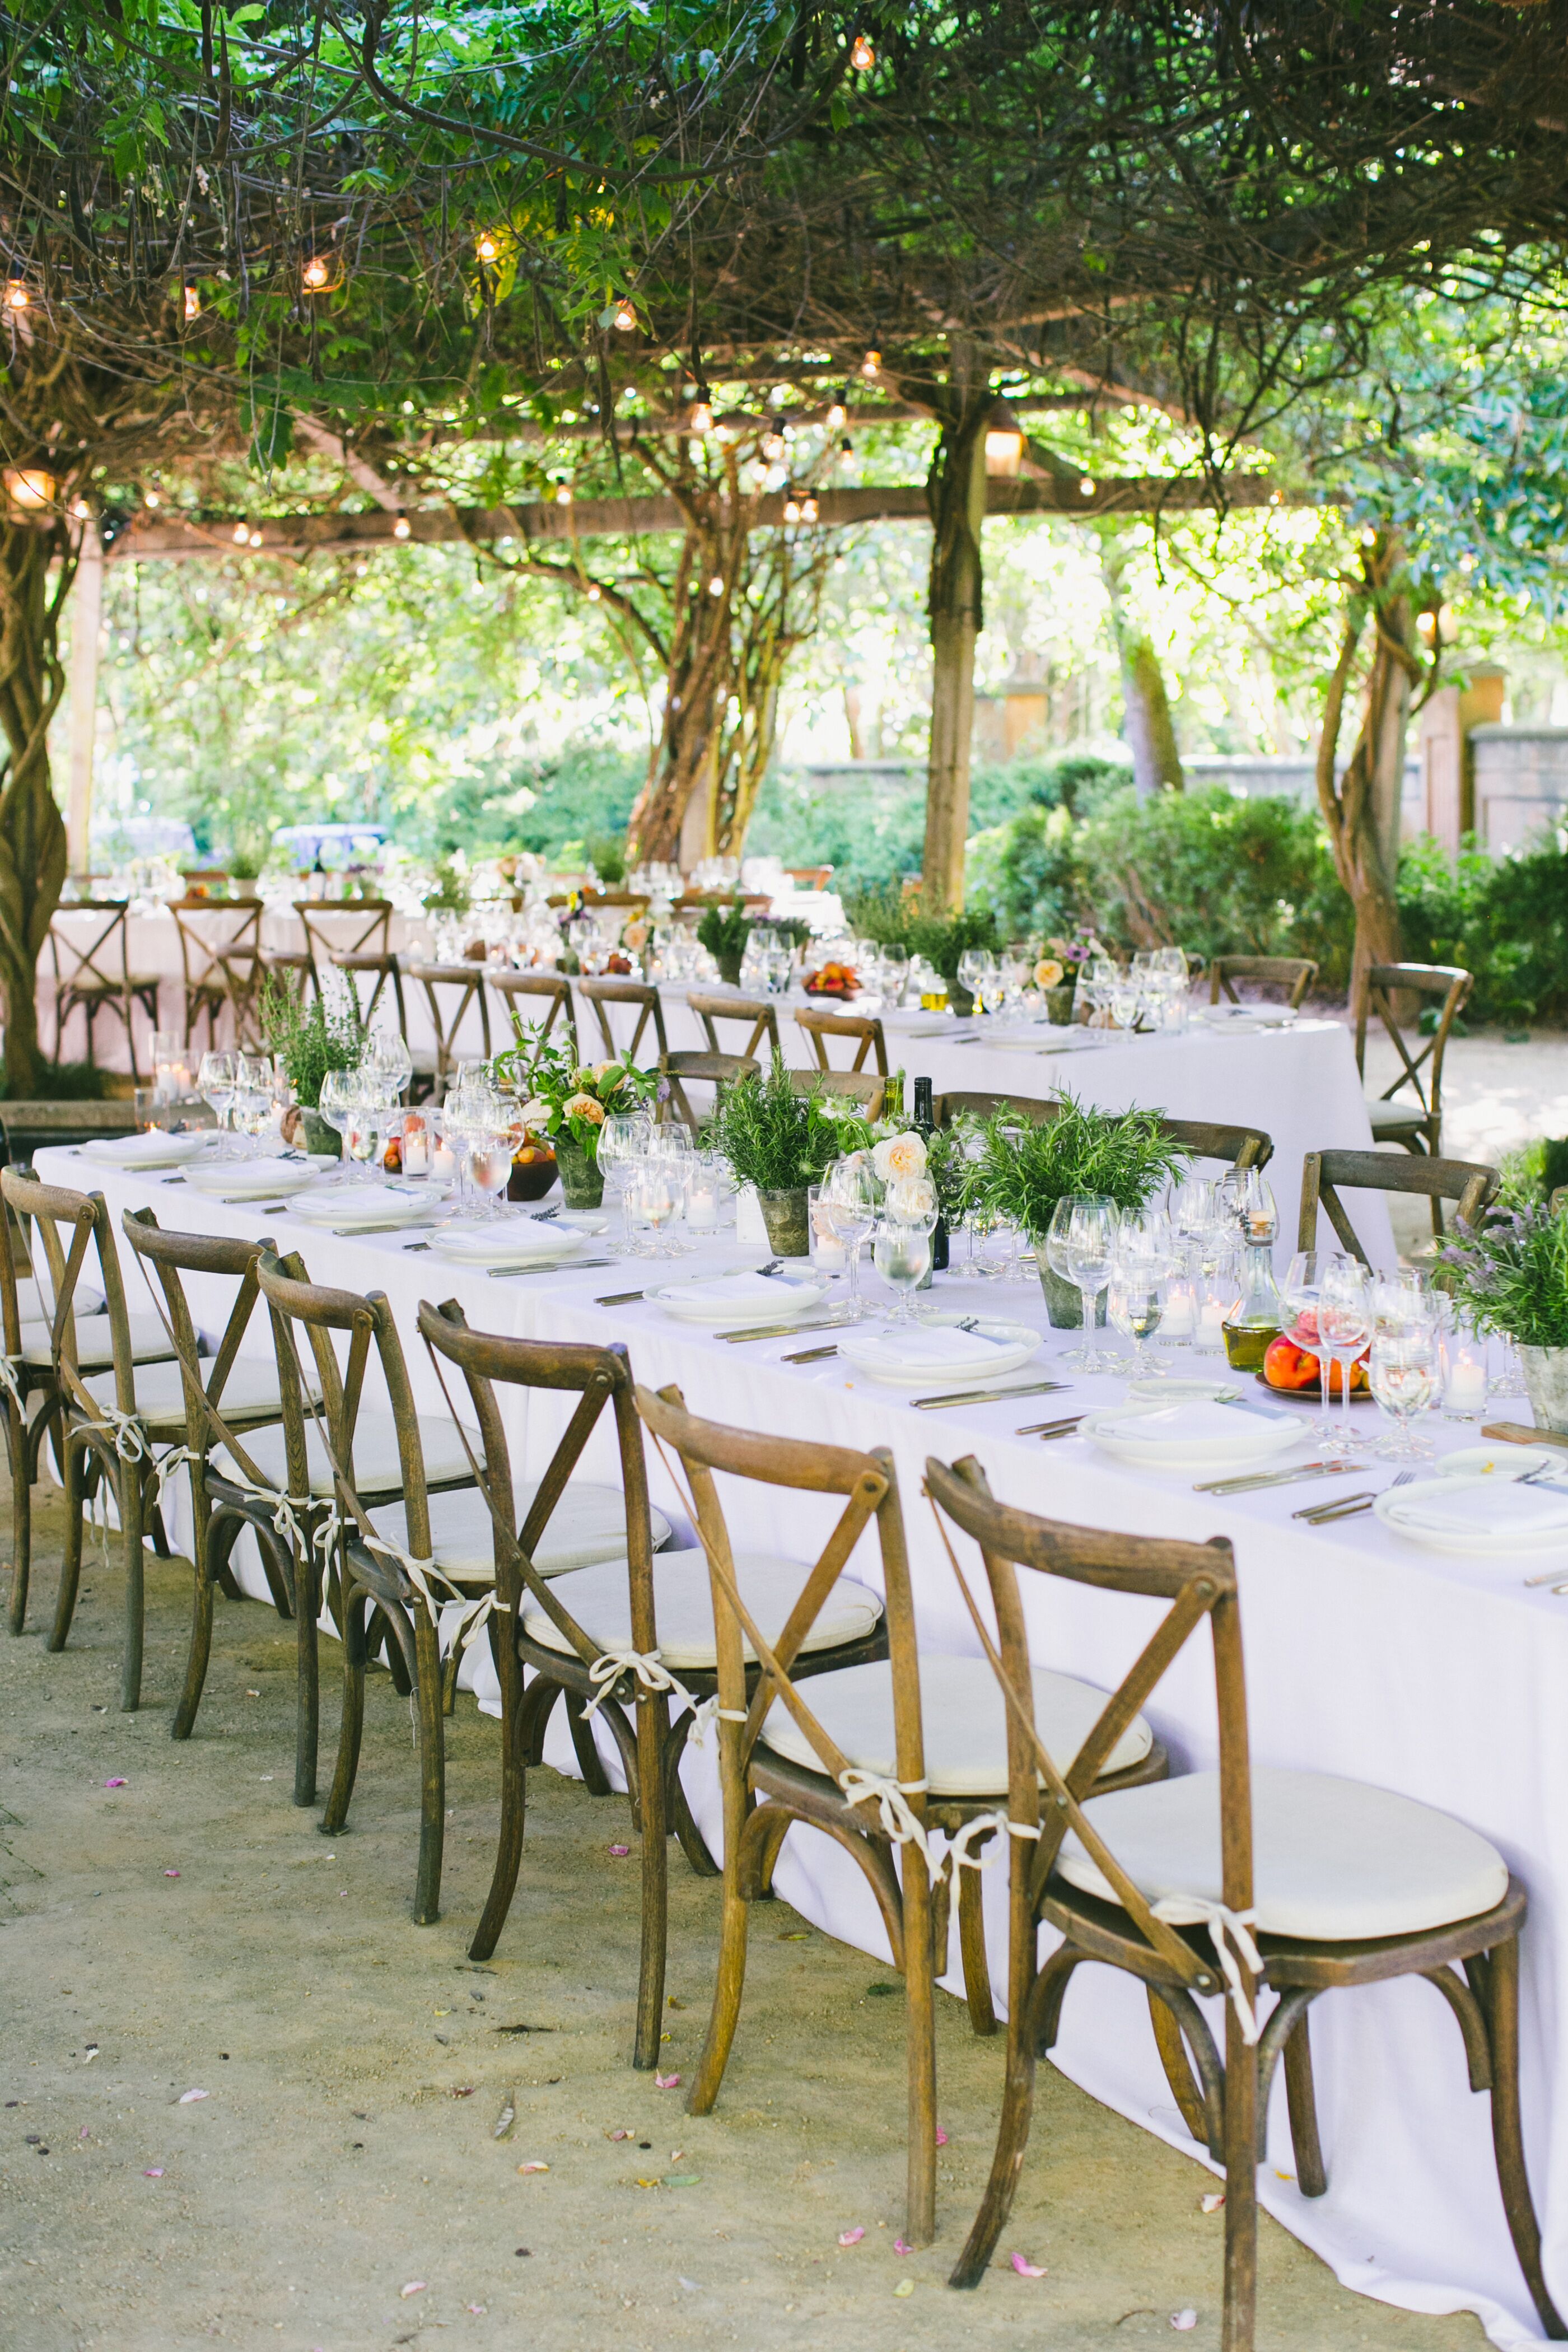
x=1146, y=706
x=1361, y=808
x=955, y=492
x=32, y=833
x=696, y=688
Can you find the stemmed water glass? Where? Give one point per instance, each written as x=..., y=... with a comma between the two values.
x=902, y=1249
x=1142, y=1262
x=252, y=1098
x=624, y=1137
x=1404, y=1373
x=656, y=1197
x=849, y=1204
x=216, y=1079
x=335, y=1106
x=1345, y=1321
x=1079, y=1248
x=390, y=1064
x=1299, y=1292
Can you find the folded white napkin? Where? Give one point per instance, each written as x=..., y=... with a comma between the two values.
x=937, y=1344
x=128, y=1150
x=1197, y=1421
x=745, y=1289
x=1485, y=1506
x=355, y=1204
x=517, y=1237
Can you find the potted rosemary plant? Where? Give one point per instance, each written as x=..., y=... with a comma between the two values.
x=1511, y=1273
x=724, y=931
x=781, y=1141
x=569, y=1101
x=309, y=1039
x=1125, y=1156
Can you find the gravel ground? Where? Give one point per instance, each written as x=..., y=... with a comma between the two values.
x=341, y=2186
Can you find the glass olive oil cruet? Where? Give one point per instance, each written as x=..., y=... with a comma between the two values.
x=1259, y=1314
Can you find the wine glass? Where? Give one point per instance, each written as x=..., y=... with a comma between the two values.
x=1299, y=1292
x=849, y=1204
x=366, y=1124
x=1135, y=1302
x=489, y=1168
x=1404, y=1373
x=252, y=1103
x=902, y=1249
x=216, y=1079
x=658, y=1195
x=336, y=1107
x=1345, y=1321
x=1080, y=1247
x=389, y=1060
x=625, y=1137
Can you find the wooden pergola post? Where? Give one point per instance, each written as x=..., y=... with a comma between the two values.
x=957, y=490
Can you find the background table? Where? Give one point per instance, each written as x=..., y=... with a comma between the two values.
x=1441, y=1678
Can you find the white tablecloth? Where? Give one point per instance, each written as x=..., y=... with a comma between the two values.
x=1441, y=1678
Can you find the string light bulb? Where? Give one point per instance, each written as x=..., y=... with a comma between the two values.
x=594, y=593
x=862, y=55
x=30, y=489
x=16, y=295
x=773, y=439
x=193, y=303
x=255, y=539
x=626, y=317
x=716, y=585
x=871, y=366
x=316, y=276
x=488, y=246
x=152, y=497
x=242, y=534
x=1003, y=440
x=1088, y=487
x=701, y=418
x=846, y=451
x=402, y=527
x=839, y=413
x=562, y=494
x=791, y=509
x=808, y=507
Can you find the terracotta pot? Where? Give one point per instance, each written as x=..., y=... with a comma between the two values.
x=786, y=1215
x=581, y=1178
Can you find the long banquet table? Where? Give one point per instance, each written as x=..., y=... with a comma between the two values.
x=1439, y=1677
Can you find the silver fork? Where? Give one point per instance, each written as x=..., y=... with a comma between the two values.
x=1348, y=1506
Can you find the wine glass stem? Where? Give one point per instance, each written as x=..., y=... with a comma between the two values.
x=853, y=1296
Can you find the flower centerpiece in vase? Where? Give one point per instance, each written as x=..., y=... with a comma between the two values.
x=569, y=1101
x=310, y=1040
x=1511, y=1274
x=1023, y=1171
x=1055, y=972
x=781, y=1142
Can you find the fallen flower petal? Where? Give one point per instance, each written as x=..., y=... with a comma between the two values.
x=1183, y=2320
x=940, y=2137
x=170, y=1874
x=117, y=1784
x=1027, y=2269
x=850, y=2237
x=1213, y=2201
x=620, y=2135
x=467, y=2091
x=899, y=2247
x=153, y=2172
x=620, y=1850
x=251, y=1694
x=186, y=2098
x=476, y=2310
x=533, y=2165
x=414, y=2286
x=667, y=2081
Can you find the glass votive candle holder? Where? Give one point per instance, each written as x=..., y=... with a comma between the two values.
x=704, y=1195
x=1178, y=1325
x=829, y=1251
x=1465, y=1381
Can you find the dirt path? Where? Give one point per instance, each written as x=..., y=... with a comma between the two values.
x=191, y=1931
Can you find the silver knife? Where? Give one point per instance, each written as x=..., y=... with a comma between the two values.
x=1344, y=1507
x=564, y=1266
x=988, y=1396
x=808, y=1355
x=1046, y=1429
x=785, y=1331
x=1242, y=1486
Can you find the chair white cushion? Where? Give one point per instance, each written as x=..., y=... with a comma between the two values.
x=1332, y=1860
x=149, y=1341
x=588, y=1523
x=377, y=1470
x=1396, y=1119
x=963, y=1720
x=250, y=1389
x=35, y=1301
x=600, y=1601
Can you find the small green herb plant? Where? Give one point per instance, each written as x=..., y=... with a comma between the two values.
x=448, y=893
x=724, y=930
x=1025, y=1170
x=773, y=1138
x=311, y=1039
x=1512, y=1274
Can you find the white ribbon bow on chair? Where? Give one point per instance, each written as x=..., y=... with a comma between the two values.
x=650, y=1671
x=899, y=1822
x=1230, y=1933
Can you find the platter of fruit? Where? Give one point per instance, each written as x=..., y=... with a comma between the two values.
x=1292, y=1370
x=832, y=979
x=533, y=1169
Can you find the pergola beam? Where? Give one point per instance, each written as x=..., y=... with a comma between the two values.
x=309, y=534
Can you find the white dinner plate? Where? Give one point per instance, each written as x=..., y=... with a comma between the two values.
x=1246, y=1016
x=741, y=1296
x=251, y=1180
x=1193, y=1433
x=512, y=1240
x=152, y=1150
x=923, y=1355
x=1494, y=1518
x=1504, y=1462
x=579, y=1221
x=347, y=1206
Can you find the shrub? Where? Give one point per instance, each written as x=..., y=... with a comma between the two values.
x=1504, y=920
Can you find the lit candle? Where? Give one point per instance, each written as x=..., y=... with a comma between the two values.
x=443, y=1160
x=831, y=1254
x=1176, y=1323
x=415, y=1151
x=701, y=1205
x=1210, y=1332
x=1466, y=1394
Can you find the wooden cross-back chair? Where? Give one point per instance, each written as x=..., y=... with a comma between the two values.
x=851, y=1086
x=535, y=1001
x=372, y=977
x=849, y=1752
x=1241, y=1146
x=335, y=927
x=1418, y=1125
x=718, y=1070
x=646, y=1611
x=716, y=1007
x=1470, y=1183
x=1293, y=975
x=1223, y=1883
x=600, y=994
x=863, y=1027
x=123, y=1428
x=228, y=1490
x=451, y=989
x=220, y=957
x=90, y=952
